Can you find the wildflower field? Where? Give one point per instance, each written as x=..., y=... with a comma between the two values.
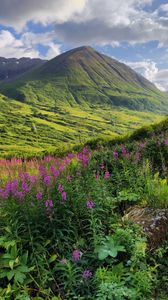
x=63, y=227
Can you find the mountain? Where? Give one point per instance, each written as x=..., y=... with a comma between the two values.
x=85, y=77
x=79, y=95
x=11, y=68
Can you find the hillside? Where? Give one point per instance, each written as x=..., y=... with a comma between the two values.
x=11, y=68
x=78, y=95
x=83, y=76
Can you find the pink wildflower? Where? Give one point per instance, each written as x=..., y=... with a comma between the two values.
x=49, y=204
x=39, y=196
x=89, y=204
x=107, y=175
x=60, y=188
x=64, y=196
x=87, y=274
x=76, y=255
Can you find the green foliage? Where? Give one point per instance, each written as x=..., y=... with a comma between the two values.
x=73, y=242
x=110, y=247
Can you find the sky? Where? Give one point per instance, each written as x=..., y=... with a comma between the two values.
x=132, y=31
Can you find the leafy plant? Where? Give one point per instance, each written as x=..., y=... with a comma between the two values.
x=110, y=247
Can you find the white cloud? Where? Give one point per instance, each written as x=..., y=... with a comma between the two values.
x=79, y=22
x=17, y=13
x=10, y=46
x=149, y=70
x=53, y=50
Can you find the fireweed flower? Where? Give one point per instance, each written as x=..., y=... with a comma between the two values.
x=42, y=171
x=39, y=196
x=19, y=195
x=76, y=255
x=69, y=178
x=49, y=204
x=47, y=180
x=89, y=204
x=54, y=172
x=87, y=274
x=12, y=186
x=64, y=196
x=102, y=166
x=107, y=175
x=25, y=187
x=33, y=179
x=61, y=168
x=60, y=188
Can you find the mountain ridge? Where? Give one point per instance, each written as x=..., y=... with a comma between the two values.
x=11, y=68
x=85, y=76
x=72, y=98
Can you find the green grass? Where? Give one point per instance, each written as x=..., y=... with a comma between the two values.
x=33, y=129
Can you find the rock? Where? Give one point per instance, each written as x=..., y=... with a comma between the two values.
x=153, y=221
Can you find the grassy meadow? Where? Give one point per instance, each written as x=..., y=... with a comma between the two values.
x=64, y=232
x=28, y=130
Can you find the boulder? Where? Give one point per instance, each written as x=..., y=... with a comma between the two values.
x=153, y=221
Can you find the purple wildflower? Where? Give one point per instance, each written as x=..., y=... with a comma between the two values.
x=42, y=171
x=61, y=168
x=64, y=196
x=54, y=172
x=76, y=255
x=49, y=204
x=107, y=175
x=102, y=166
x=69, y=178
x=60, y=188
x=19, y=195
x=39, y=196
x=89, y=204
x=25, y=187
x=47, y=180
x=87, y=274
x=33, y=179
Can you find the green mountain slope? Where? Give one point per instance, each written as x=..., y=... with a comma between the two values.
x=76, y=96
x=85, y=77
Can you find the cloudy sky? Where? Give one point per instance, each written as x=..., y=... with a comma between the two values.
x=132, y=31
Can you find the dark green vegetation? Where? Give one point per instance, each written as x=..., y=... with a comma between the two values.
x=63, y=235
x=76, y=96
x=11, y=68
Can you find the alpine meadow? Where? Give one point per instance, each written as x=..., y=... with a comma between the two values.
x=83, y=150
